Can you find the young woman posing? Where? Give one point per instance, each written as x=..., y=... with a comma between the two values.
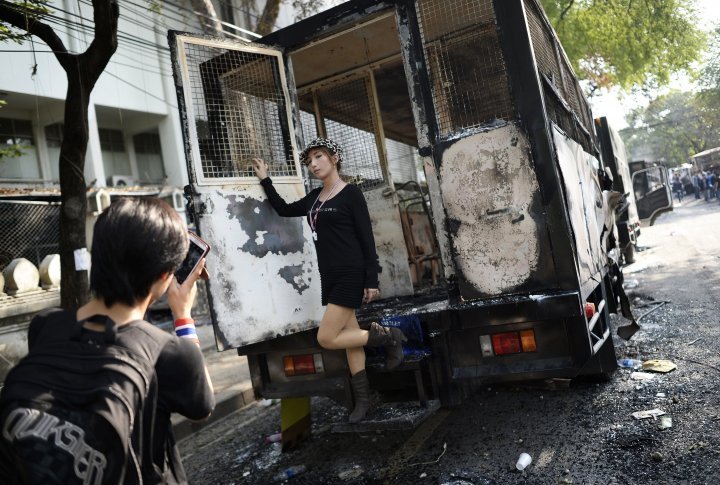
x=345, y=246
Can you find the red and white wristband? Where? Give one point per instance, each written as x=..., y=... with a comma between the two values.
x=185, y=328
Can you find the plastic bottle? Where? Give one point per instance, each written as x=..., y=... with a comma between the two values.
x=290, y=472
x=630, y=363
x=273, y=438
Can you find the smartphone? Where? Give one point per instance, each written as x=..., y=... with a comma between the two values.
x=198, y=249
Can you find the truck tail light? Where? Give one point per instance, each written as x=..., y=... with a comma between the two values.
x=508, y=343
x=527, y=337
x=299, y=365
x=589, y=310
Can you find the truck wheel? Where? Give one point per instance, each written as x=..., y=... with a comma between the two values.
x=629, y=254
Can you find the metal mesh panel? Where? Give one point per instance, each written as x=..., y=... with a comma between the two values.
x=403, y=161
x=309, y=131
x=240, y=111
x=465, y=63
x=348, y=117
x=565, y=103
x=29, y=230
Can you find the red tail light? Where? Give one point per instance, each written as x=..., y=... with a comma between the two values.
x=506, y=343
x=589, y=310
x=298, y=365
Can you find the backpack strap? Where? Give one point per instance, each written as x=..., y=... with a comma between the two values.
x=109, y=334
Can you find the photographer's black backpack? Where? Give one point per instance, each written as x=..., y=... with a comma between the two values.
x=74, y=410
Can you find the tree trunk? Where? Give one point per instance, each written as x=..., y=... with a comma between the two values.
x=208, y=17
x=267, y=20
x=73, y=211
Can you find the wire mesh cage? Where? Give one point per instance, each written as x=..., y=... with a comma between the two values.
x=565, y=103
x=239, y=110
x=465, y=63
x=346, y=111
x=29, y=230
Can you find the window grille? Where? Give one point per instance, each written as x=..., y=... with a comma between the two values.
x=465, y=63
x=565, y=102
x=239, y=111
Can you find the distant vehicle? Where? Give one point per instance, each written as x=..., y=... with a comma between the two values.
x=652, y=188
x=614, y=157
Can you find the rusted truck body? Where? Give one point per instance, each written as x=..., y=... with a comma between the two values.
x=494, y=264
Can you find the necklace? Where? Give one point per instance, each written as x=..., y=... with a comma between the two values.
x=312, y=217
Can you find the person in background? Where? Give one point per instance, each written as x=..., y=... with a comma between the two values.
x=341, y=230
x=677, y=187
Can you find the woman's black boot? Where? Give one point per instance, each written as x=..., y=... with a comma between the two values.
x=361, y=394
x=391, y=339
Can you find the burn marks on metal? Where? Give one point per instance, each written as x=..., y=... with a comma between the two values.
x=491, y=196
x=267, y=232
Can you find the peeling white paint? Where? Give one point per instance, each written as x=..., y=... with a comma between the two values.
x=395, y=279
x=585, y=204
x=438, y=215
x=488, y=183
x=252, y=301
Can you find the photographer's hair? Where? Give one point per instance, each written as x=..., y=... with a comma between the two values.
x=135, y=242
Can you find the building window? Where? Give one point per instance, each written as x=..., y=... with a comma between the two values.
x=115, y=158
x=18, y=159
x=148, y=154
x=227, y=11
x=53, y=139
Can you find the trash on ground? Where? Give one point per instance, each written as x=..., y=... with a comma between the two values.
x=352, y=473
x=650, y=413
x=523, y=461
x=642, y=376
x=436, y=460
x=660, y=394
x=273, y=438
x=269, y=402
x=290, y=472
x=659, y=365
x=665, y=422
x=630, y=363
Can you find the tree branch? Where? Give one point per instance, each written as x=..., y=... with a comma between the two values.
x=566, y=9
x=105, y=42
x=16, y=17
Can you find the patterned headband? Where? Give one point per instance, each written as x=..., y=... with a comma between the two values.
x=321, y=142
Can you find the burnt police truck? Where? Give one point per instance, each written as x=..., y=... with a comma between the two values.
x=468, y=133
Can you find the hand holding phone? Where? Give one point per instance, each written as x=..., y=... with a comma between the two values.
x=198, y=250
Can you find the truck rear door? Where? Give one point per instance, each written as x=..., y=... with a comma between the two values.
x=237, y=102
x=653, y=193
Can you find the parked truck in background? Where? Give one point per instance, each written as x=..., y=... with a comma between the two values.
x=652, y=188
x=494, y=259
x=615, y=159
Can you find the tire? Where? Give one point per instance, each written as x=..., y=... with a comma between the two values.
x=629, y=254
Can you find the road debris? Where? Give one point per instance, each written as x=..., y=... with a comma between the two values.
x=436, y=460
x=642, y=376
x=665, y=422
x=523, y=461
x=650, y=413
x=658, y=365
x=352, y=473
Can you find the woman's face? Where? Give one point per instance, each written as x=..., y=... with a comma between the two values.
x=320, y=164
